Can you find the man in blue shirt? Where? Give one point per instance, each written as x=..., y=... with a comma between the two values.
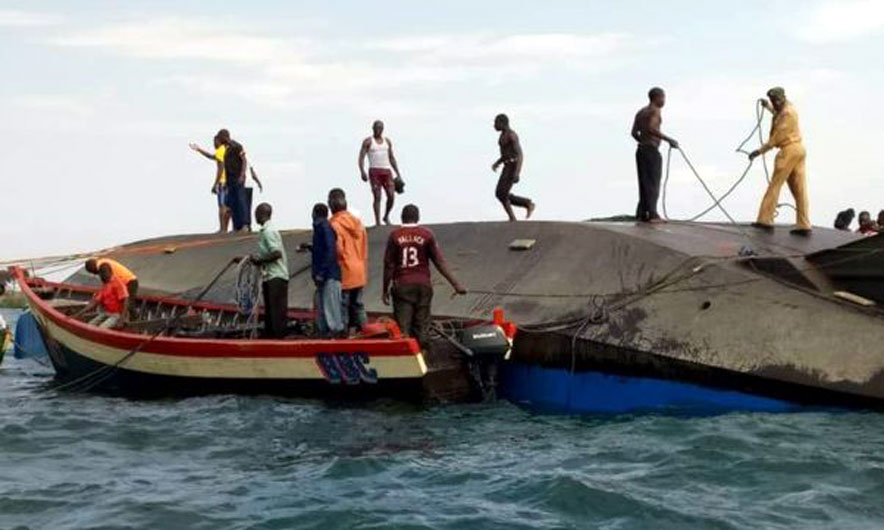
x=326, y=275
x=274, y=274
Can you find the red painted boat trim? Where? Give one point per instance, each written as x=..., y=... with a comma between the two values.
x=218, y=348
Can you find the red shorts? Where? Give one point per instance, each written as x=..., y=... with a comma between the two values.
x=380, y=178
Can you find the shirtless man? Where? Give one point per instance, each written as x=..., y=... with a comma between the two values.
x=381, y=164
x=648, y=162
x=511, y=158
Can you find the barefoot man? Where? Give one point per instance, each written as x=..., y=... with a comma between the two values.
x=381, y=164
x=648, y=162
x=511, y=158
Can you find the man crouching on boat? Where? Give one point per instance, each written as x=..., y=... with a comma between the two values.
x=111, y=301
x=119, y=271
x=274, y=274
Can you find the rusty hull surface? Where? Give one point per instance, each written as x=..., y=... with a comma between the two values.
x=671, y=300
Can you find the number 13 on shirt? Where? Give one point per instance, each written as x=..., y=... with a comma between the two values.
x=409, y=257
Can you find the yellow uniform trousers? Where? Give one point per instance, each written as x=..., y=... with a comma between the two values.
x=788, y=167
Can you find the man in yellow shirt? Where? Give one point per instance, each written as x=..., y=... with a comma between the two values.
x=788, y=165
x=219, y=187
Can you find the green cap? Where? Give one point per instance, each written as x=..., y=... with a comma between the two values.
x=777, y=92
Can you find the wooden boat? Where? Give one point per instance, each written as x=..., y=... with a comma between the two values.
x=176, y=347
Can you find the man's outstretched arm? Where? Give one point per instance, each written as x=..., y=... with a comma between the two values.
x=200, y=150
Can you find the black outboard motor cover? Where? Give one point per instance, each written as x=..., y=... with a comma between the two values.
x=486, y=341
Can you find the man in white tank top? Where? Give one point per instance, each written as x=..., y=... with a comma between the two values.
x=381, y=164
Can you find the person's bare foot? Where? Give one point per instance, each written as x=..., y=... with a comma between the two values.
x=531, y=207
x=387, y=221
x=656, y=220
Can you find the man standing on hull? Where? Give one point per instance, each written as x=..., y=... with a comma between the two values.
x=648, y=162
x=410, y=249
x=219, y=186
x=235, y=165
x=788, y=165
x=381, y=164
x=511, y=158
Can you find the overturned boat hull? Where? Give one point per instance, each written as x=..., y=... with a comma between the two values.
x=722, y=308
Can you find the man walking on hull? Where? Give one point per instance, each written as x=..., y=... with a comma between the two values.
x=381, y=164
x=511, y=159
x=648, y=162
x=788, y=165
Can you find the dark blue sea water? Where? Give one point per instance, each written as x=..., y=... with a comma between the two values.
x=79, y=461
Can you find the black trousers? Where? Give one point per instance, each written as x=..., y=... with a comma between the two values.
x=649, y=164
x=276, y=304
x=412, y=310
x=236, y=197
x=505, y=184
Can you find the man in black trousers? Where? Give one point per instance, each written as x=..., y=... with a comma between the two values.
x=648, y=162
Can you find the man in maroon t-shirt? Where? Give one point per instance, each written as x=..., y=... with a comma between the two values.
x=410, y=249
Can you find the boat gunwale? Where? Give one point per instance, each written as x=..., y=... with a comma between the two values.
x=202, y=347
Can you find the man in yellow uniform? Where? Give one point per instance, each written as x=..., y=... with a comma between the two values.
x=788, y=165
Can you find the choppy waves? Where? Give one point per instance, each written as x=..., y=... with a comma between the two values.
x=73, y=461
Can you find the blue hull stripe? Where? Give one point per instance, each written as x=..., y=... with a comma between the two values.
x=557, y=390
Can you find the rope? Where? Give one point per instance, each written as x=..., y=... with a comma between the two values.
x=759, y=117
x=248, y=292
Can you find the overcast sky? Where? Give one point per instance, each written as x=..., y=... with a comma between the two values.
x=99, y=100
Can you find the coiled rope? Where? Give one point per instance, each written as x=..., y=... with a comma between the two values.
x=248, y=292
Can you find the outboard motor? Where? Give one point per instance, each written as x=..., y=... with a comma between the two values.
x=485, y=347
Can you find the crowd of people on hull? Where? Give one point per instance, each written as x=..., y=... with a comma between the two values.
x=340, y=241
x=339, y=268
x=867, y=225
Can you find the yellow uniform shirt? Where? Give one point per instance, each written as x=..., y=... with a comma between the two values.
x=219, y=156
x=784, y=129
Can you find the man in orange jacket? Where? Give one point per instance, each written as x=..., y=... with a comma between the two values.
x=352, y=249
